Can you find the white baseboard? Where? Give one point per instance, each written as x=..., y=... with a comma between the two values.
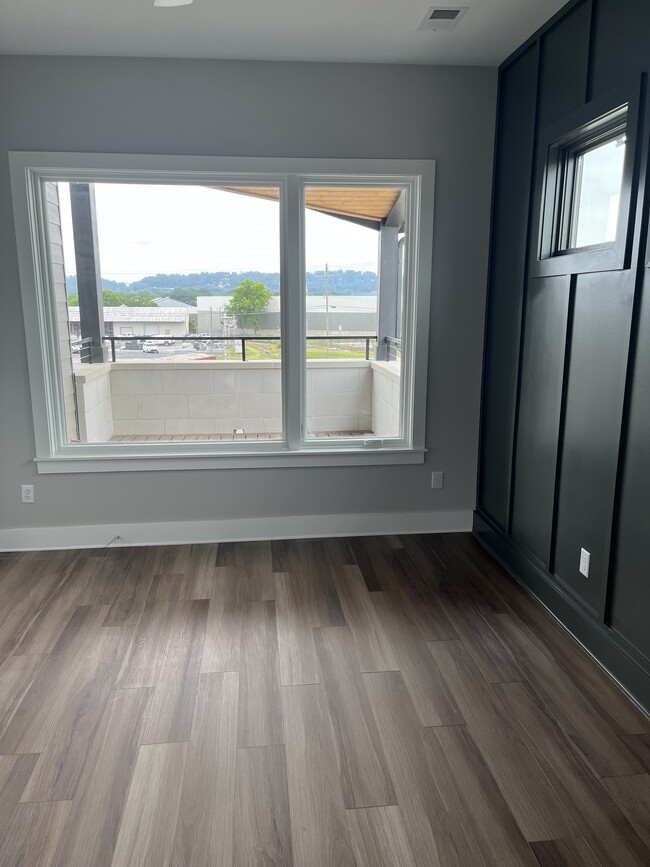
x=233, y=530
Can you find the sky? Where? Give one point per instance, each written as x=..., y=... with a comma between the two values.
x=159, y=229
x=599, y=195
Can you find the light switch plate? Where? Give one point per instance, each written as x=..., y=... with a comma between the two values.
x=585, y=559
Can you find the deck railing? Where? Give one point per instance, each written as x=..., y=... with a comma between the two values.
x=210, y=342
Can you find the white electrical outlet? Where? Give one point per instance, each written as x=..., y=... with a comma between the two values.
x=437, y=480
x=585, y=558
x=27, y=493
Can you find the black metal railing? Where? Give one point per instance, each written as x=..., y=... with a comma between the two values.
x=195, y=338
x=393, y=348
x=83, y=347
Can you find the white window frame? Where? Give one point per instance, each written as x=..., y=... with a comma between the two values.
x=29, y=170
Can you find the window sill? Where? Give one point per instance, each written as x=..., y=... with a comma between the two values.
x=105, y=463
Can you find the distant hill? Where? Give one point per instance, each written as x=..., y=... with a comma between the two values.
x=223, y=283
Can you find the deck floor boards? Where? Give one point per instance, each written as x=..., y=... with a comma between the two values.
x=225, y=437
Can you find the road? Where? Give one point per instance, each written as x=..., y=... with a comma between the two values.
x=164, y=352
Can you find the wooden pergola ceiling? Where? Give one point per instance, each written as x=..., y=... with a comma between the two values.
x=371, y=204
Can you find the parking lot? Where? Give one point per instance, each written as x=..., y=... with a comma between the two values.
x=183, y=350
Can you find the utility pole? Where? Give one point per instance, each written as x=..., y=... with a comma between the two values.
x=327, y=309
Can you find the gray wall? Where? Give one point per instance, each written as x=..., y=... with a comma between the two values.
x=565, y=446
x=248, y=109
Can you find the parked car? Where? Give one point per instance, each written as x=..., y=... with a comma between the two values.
x=150, y=346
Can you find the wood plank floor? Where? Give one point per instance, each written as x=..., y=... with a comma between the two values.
x=378, y=702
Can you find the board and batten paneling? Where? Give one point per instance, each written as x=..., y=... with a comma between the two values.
x=619, y=42
x=629, y=609
x=576, y=472
x=563, y=64
x=540, y=400
x=515, y=134
x=594, y=404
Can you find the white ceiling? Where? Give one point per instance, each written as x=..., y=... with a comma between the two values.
x=374, y=31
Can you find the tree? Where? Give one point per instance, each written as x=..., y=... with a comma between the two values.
x=137, y=299
x=112, y=299
x=187, y=296
x=249, y=300
x=120, y=299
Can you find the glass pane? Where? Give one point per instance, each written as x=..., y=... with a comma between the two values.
x=354, y=249
x=599, y=175
x=189, y=319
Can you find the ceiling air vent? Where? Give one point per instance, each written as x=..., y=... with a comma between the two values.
x=442, y=17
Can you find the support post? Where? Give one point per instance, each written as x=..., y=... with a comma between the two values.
x=89, y=283
x=388, y=289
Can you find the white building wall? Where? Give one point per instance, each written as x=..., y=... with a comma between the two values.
x=171, y=329
x=93, y=385
x=348, y=313
x=339, y=396
x=140, y=320
x=385, y=398
x=155, y=398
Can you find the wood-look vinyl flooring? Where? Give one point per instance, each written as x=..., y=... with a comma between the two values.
x=378, y=702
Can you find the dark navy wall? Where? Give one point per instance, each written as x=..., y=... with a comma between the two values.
x=565, y=431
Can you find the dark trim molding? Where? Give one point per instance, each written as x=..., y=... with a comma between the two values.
x=610, y=649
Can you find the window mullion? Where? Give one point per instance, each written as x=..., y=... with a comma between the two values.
x=292, y=312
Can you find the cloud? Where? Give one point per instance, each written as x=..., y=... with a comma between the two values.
x=194, y=228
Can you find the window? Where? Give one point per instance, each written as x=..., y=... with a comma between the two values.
x=587, y=166
x=590, y=177
x=160, y=386
x=186, y=312
x=599, y=175
x=353, y=341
